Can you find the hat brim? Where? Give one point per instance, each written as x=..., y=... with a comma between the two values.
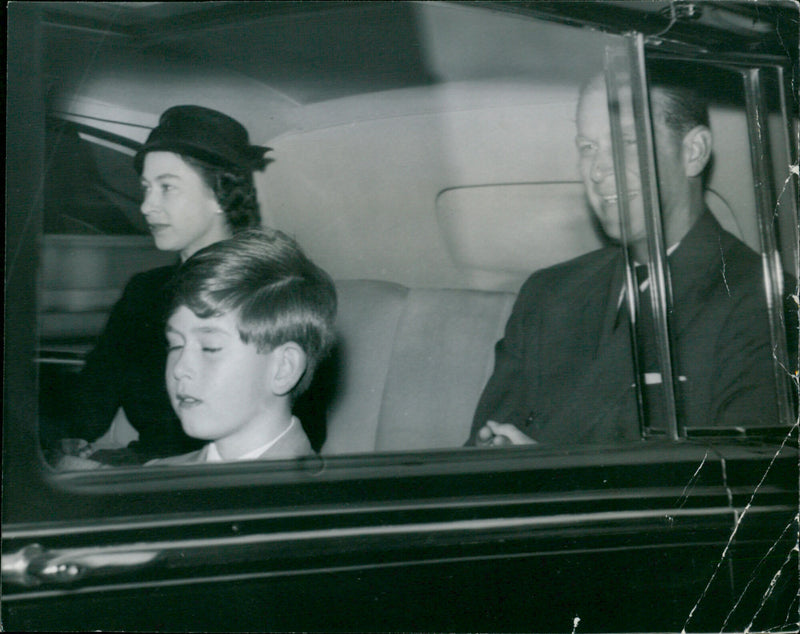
x=194, y=151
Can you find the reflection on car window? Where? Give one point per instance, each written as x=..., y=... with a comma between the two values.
x=592, y=353
x=91, y=187
x=716, y=280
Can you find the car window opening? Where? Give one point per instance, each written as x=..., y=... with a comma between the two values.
x=412, y=338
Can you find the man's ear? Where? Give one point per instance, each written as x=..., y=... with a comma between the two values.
x=697, y=145
x=290, y=365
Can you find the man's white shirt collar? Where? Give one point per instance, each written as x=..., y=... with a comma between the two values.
x=643, y=286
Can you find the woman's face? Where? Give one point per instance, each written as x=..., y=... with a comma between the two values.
x=180, y=209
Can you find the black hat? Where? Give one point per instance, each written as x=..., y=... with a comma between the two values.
x=206, y=135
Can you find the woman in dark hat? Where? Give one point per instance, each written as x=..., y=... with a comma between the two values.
x=197, y=175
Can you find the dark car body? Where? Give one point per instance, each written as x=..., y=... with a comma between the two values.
x=696, y=532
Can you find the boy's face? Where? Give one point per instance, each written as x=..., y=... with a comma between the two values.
x=218, y=385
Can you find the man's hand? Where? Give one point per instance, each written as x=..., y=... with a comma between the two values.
x=494, y=434
x=76, y=447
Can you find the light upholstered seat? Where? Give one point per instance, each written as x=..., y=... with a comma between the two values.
x=410, y=365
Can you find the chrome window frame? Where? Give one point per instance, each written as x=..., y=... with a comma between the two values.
x=626, y=63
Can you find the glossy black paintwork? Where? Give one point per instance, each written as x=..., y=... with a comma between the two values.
x=650, y=521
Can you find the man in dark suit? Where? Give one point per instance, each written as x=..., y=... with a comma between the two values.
x=564, y=371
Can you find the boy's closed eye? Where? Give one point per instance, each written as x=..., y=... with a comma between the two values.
x=174, y=342
x=211, y=342
x=204, y=347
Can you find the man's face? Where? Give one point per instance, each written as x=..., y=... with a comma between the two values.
x=597, y=163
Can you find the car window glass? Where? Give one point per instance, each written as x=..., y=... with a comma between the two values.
x=753, y=317
x=459, y=159
x=91, y=187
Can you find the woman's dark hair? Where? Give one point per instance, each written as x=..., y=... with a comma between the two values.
x=218, y=148
x=234, y=190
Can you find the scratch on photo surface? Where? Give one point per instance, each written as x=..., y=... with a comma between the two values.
x=738, y=523
x=690, y=485
x=794, y=171
x=792, y=524
x=722, y=257
x=771, y=588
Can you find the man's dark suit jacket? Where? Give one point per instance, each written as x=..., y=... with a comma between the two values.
x=564, y=369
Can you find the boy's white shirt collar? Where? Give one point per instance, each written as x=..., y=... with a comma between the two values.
x=212, y=453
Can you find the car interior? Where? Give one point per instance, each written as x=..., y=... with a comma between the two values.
x=429, y=173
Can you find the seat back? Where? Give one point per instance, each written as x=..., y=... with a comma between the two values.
x=410, y=365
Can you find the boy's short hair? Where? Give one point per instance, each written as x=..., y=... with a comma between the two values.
x=278, y=294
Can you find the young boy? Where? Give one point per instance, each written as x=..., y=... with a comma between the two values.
x=250, y=319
